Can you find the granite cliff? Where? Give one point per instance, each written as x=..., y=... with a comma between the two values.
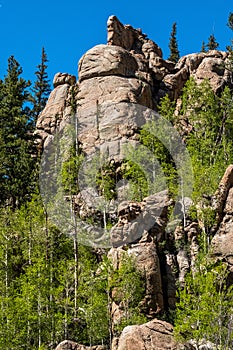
x=121, y=81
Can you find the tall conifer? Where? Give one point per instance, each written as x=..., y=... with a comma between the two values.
x=173, y=45
x=15, y=158
x=41, y=88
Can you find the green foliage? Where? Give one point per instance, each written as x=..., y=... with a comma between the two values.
x=106, y=180
x=37, y=276
x=128, y=289
x=168, y=174
x=173, y=45
x=137, y=180
x=204, y=309
x=166, y=108
x=209, y=142
x=70, y=170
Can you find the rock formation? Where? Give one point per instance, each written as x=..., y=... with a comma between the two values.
x=129, y=69
x=155, y=334
x=70, y=345
x=118, y=89
x=222, y=242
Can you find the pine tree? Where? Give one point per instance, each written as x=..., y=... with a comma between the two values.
x=41, y=89
x=203, y=47
x=229, y=64
x=16, y=141
x=173, y=45
x=212, y=43
x=230, y=21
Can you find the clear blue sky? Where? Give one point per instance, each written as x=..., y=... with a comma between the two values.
x=69, y=28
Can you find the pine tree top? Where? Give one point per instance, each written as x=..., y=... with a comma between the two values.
x=212, y=43
x=173, y=45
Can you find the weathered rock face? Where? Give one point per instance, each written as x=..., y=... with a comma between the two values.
x=135, y=219
x=119, y=87
x=129, y=69
x=142, y=226
x=70, y=345
x=154, y=335
x=56, y=109
x=200, y=66
x=222, y=242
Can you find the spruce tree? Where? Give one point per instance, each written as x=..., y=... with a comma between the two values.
x=229, y=64
x=212, y=43
x=15, y=148
x=173, y=45
x=41, y=88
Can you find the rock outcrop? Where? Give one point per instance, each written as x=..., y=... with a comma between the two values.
x=154, y=335
x=143, y=224
x=56, y=109
x=70, y=345
x=118, y=90
x=129, y=69
x=222, y=242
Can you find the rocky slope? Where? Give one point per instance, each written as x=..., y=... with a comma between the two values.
x=119, y=86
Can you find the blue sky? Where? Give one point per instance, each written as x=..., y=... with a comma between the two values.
x=67, y=29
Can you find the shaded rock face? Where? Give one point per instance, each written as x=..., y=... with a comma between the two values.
x=141, y=226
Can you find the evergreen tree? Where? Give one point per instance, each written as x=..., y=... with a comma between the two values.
x=16, y=140
x=173, y=45
x=229, y=64
x=212, y=43
x=41, y=88
x=230, y=21
x=203, y=47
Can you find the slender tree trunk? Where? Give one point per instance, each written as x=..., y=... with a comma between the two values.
x=66, y=310
x=51, y=311
x=39, y=314
x=76, y=252
x=6, y=263
x=76, y=262
x=110, y=325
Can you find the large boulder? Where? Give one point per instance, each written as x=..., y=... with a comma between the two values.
x=104, y=60
x=70, y=345
x=154, y=335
